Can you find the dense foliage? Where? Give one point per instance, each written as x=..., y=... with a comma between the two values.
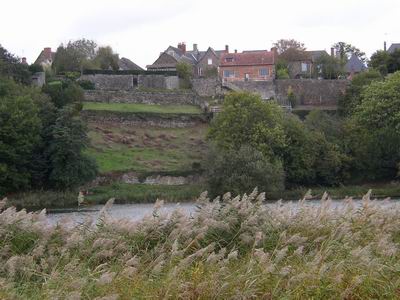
x=11, y=67
x=84, y=54
x=362, y=143
x=231, y=249
x=385, y=62
x=42, y=137
x=240, y=170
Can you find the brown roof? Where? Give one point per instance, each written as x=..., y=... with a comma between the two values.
x=248, y=58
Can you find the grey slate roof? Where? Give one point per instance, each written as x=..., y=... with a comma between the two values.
x=354, y=65
x=126, y=64
x=393, y=47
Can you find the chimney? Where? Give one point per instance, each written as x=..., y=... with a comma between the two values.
x=195, y=48
x=384, y=46
x=333, y=52
x=182, y=47
x=24, y=61
x=47, y=53
x=227, y=48
x=235, y=50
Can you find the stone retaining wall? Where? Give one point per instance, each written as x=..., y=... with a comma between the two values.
x=144, y=119
x=131, y=82
x=142, y=97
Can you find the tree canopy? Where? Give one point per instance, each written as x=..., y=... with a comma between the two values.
x=284, y=44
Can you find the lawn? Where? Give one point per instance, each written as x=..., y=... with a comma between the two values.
x=123, y=148
x=141, y=108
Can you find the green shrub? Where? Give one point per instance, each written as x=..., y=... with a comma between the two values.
x=86, y=84
x=240, y=171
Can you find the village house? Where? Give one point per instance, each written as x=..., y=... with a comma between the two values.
x=204, y=63
x=257, y=65
x=303, y=63
x=45, y=58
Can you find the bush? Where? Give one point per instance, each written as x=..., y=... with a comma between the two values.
x=240, y=171
x=86, y=84
x=282, y=74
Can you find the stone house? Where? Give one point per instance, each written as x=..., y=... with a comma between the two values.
x=258, y=65
x=304, y=64
x=45, y=58
x=203, y=62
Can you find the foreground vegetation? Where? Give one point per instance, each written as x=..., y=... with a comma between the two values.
x=234, y=249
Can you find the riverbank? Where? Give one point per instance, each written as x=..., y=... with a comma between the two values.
x=239, y=250
x=145, y=193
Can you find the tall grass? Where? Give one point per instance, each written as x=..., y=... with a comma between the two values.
x=229, y=249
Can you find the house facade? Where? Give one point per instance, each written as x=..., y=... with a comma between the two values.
x=204, y=63
x=304, y=64
x=45, y=58
x=258, y=65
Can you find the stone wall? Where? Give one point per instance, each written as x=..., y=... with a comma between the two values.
x=266, y=89
x=312, y=91
x=136, y=96
x=207, y=87
x=131, y=82
x=144, y=119
x=307, y=91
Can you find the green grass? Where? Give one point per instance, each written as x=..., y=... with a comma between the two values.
x=143, y=193
x=141, y=108
x=122, y=148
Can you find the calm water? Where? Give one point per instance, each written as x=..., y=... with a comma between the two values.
x=138, y=211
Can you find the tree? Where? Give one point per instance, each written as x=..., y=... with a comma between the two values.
x=63, y=93
x=106, y=59
x=375, y=129
x=240, y=171
x=70, y=166
x=19, y=132
x=75, y=56
x=346, y=50
x=328, y=67
x=10, y=66
x=185, y=73
x=352, y=97
x=284, y=44
x=248, y=120
x=380, y=61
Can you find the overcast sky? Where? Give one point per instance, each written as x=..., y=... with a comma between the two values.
x=141, y=29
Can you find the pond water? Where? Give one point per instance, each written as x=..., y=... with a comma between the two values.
x=138, y=211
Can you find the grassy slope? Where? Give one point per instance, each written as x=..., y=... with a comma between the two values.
x=125, y=148
x=140, y=108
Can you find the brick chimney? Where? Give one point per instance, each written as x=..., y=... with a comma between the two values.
x=23, y=61
x=195, y=48
x=333, y=52
x=47, y=53
x=227, y=48
x=182, y=47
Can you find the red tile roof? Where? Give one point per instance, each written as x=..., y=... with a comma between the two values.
x=248, y=58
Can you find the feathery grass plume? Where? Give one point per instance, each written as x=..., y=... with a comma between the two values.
x=233, y=248
x=81, y=199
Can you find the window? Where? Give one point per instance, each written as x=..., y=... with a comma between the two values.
x=229, y=59
x=210, y=61
x=200, y=72
x=229, y=73
x=304, y=67
x=264, y=72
